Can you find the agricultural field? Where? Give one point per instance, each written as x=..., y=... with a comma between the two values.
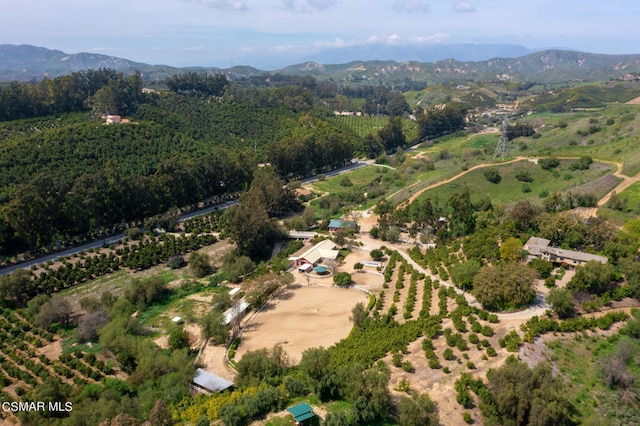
x=365, y=125
x=32, y=356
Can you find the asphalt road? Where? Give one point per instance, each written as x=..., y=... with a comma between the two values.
x=114, y=238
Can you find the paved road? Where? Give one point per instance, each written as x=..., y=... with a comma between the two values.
x=114, y=238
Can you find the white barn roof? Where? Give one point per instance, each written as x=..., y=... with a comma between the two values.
x=210, y=381
x=323, y=250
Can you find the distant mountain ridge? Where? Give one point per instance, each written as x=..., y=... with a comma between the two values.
x=428, y=53
x=25, y=63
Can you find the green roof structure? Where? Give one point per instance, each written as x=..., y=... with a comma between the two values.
x=301, y=412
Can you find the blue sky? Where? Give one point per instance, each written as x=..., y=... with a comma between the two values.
x=271, y=33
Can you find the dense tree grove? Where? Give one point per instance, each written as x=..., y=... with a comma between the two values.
x=78, y=91
x=437, y=121
x=69, y=177
x=193, y=83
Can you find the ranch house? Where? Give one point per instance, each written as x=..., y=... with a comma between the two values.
x=539, y=248
x=323, y=250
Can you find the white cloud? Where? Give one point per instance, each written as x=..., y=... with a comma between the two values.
x=321, y=4
x=225, y=4
x=411, y=6
x=393, y=39
x=464, y=7
x=430, y=39
x=307, y=6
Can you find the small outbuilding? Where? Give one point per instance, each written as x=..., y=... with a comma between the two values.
x=206, y=382
x=339, y=224
x=303, y=414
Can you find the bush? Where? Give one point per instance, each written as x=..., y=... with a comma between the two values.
x=342, y=279
x=548, y=163
x=176, y=262
x=199, y=264
x=492, y=175
x=376, y=254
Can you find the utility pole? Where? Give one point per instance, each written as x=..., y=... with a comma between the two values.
x=502, y=147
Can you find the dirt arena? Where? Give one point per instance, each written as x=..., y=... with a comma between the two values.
x=302, y=318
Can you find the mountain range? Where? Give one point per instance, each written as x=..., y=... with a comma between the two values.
x=472, y=62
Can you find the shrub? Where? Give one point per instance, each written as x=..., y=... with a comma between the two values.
x=492, y=175
x=407, y=366
x=342, y=279
x=176, y=262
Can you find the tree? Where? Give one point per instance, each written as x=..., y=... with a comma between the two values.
x=524, y=214
x=199, y=264
x=314, y=364
x=561, y=300
x=268, y=365
x=505, y=286
x=525, y=396
x=376, y=254
x=462, y=218
x=391, y=134
x=358, y=315
x=89, y=325
x=160, y=414
x=213, y=327
x=511, y=250
x=250, y=226
x=462, y=274
x=144, y=292
x=193, y=83
x=594, y=277
x=56, y=310
x=178, y=338
x=417, y=410
x=342, y=279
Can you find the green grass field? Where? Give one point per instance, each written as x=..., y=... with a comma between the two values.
x=630, y=196
x=510, y=190
x=606, y=134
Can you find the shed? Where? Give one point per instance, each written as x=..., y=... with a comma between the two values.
x=305, y=267
x=302, y=413
x=207, y=382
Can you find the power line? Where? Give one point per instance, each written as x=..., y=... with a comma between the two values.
x=501, y=149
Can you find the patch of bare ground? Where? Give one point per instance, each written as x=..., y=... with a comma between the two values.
x=52, y=351
x=213, y=359
x=302, y=318
x=635, y=101
x=438, y=384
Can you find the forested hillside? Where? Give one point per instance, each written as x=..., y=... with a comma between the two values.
x=66, y=174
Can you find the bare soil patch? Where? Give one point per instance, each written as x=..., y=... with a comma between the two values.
x=213, y=359
x=302, y=318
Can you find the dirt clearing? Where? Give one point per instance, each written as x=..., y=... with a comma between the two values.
x=302, y=318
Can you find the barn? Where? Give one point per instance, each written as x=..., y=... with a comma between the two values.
x=206, y=382
x=323, y=250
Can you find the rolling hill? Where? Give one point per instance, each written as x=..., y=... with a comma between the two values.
x=25, y=63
